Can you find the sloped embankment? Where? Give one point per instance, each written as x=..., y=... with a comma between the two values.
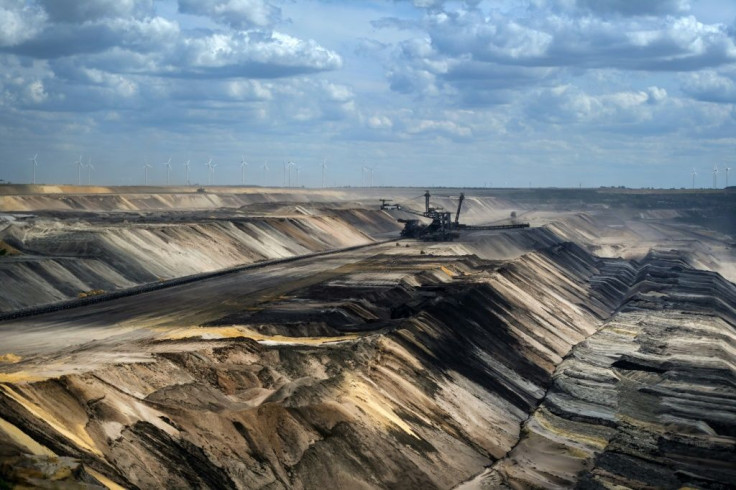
x=432, y=365
x=104, y=199
x=647, y=401
x=60, y=262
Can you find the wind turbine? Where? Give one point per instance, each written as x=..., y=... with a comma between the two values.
x=363, y=170
x=694, y=174
x=79, y=170
x=324, y=166
x=34, y=165
x=715, y=176
x=291, y=164
x=186, y=166
x=168, y=169
x=146, y=166
x=243, y=164
x=298, y=169
x=369, y=170
x=211, y=168
x=728, y=169
x=265, y=172
x=90, y=168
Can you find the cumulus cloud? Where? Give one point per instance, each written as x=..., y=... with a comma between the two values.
x=669, y=43
x=625, y=7
x=76, y=11
x=111, y=38
x=35, y=92
x=482, y=57
x=570, y=104
x=379, y=122
x=241, y=14
x=618, y=7
x=251, y=54
x=62, y=39
x=711, y=86
x=20, y=22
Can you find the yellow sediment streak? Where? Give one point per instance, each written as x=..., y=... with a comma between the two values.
x=24, y=439
x=235, y=331
x=363, y=397
x=81, y=438
x=447, y=271
x=103, y=479
x=542, y=417
x=38, y=449
x=9, y=358
x=20, y=377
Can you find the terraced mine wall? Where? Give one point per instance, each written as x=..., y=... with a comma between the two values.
x=29, y=199
x=102, y=199
x=57, y=262
x=648, y=401
x=145, y=288
x=555, y=368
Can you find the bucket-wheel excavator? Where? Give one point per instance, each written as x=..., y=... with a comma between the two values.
x=442, y=227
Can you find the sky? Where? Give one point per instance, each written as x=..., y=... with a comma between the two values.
x=503, y=93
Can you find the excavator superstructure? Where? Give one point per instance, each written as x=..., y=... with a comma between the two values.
x=442, y=227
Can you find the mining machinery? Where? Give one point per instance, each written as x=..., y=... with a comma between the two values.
x=442, y=227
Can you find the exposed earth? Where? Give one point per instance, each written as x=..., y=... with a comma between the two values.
x=286, y=338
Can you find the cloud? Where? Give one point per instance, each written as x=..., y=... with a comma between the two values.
x=20, y=22
x=379, y=122
x=446, y=128
x=626, y=7
x=618, y=7
x=158, y=46
x=75, y=11
x=711, y=86
x=569, y=104
x=241, y=14
x=668, y=44
x=251, y=54
x=63, y=39
x=479, y=58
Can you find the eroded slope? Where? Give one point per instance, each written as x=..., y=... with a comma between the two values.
x=61, y=260
x=429, y=372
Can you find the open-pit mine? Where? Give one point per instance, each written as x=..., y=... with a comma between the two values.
x=301, y=338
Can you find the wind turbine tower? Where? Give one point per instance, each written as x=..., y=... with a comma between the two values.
x=79, y=170
x=90, y=168
x=146, y=166
x=369, y=175
x=728, y=170
x=211, y=169
x=291, y=164
x=324, y=166
x=243, y=164
x=265, y=172
x=694, y=174
x=168, y=169
x=186, y=166
x=715, y=176
x=34, y=164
